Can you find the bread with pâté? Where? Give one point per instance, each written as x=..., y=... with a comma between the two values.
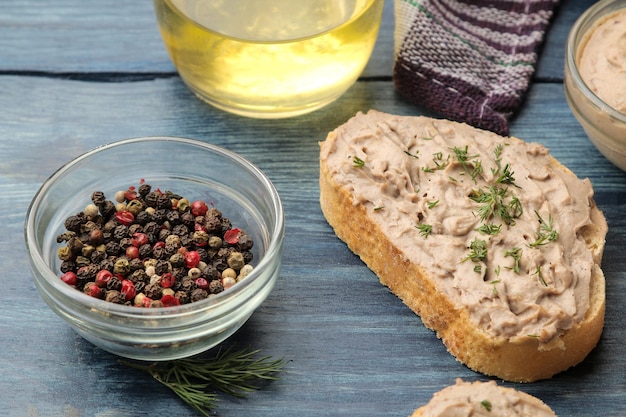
x=495, y=244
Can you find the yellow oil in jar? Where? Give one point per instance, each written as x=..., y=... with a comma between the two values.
x=269, y=58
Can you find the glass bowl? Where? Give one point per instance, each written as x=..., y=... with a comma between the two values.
x=605, y=126
x=195, y=170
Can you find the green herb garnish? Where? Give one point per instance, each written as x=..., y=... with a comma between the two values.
x=358, y=162
x=516, y=254
x=425, y=229
x=494, y=289
x=472, y=168
x=540, y=276
x=232, y=372
x=432, y=204
x=546, y=232
x=494, y=204
x=486, y=404
x=478, y=250
x=489, y=229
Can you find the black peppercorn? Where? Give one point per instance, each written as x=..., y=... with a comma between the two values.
x=163, y=202
x=173, y=217
x=97, y=256
x=107, y=209
x=145, y=251
x=114, y=296
x=134, y=228
x=212, y=224
x=188, y=219
x=151, y=228
x=98, y=198
x=65, y=236
x=161, y=267
x=143, y=217
x=140, y=286
x=120, y=232
x=198, y=294
x=182, y=296
x=114, y=284
x=144, y=189
x=177, y=260
x=153, y=291
x=67, y=266
x=151, y=199
x=216, y=286
x=113, y=248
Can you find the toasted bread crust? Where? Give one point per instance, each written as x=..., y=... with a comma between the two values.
x=523, y=360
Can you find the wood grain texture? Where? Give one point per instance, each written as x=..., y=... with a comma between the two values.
x=353, y=348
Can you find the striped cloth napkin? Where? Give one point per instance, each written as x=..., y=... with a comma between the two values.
x=469, y=60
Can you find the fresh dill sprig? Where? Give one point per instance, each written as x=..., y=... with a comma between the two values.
x=494, y=203
x=432, y=204
x=546, y=232
x=489, y=228
x=472, y=168
x=425, y=229
x=478, y=251
x=193, y=379
x=493, y=283
x=412, y=155
x=516, y=254
x=358, y=162
x=540, y=276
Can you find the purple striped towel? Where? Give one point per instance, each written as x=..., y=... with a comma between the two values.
x=469, y=61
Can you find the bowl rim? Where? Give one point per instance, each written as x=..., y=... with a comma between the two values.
x=590, y=17
x=273, y=250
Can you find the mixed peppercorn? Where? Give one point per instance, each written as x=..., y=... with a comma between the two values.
x=152, y=248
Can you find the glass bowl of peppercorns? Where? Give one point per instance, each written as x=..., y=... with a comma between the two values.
x=156, y=248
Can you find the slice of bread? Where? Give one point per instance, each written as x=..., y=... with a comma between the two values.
x=490, y=240
x=483, y=399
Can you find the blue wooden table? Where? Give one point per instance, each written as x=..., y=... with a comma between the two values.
x=76, y=74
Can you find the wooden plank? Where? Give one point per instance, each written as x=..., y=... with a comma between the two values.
x=119, y=36
x=353, y=348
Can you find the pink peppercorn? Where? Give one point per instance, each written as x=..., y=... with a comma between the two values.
x=128, y=290
x=69, y=278
x=103, y=277
x=192, y=259
x=170, y=301
x=132, y=252
x=202, y=283
x=199, y=208
x=93, y=290
x=125, y=217
x=139, y=239
x=232, y=236
x=167, y=280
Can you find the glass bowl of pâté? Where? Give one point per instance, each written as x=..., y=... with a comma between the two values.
x=156, y=248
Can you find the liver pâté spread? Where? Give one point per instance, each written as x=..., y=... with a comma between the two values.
x=602, y=60
x=484, y=399
x=492, y=220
